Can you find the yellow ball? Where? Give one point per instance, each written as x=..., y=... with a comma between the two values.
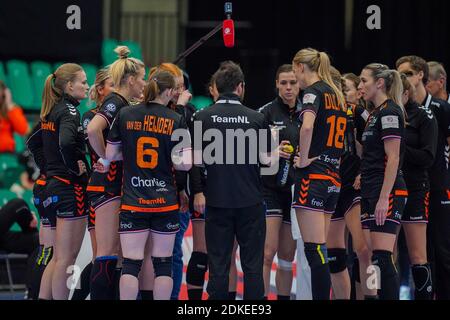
x=288, y=148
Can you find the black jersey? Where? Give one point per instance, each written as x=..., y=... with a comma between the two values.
x=385, y=122
x=63, y=140
x=421, y=139
x=144, y=131
x=286, y=121
x=233, y=179
x=360, y=119
x=350, y=161
x=110, y=181
x=329, y=126
x=439, y=176
x=35, y=145
x=87, y=117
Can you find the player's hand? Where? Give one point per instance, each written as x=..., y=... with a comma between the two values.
x=300, y=162
x=184, y=98
x=199, y=202
x=381, y=211
x=281, y=147
x=357, y=183
x=81, y=167
x=184, y=201
x=101, y=166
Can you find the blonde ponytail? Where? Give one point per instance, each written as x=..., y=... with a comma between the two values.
x=124, y=67
x=55, y=84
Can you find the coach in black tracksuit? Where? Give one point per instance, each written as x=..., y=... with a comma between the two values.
x=234, y=197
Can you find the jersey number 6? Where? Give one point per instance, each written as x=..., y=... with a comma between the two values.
x=337, y=131
x=142, y=152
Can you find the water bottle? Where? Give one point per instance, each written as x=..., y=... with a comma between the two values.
x=285, y=164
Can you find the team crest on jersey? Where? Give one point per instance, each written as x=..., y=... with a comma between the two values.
x=86, y=123
x=309, y=98
x=111, y=107
x=389, y=122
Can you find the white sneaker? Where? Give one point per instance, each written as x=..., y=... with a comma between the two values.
x=405, y=293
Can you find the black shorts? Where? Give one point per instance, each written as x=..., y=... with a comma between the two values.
x=278, y=203
x=397, y=202
x=417, y=207
x=348, y=198
x=41, y=202
x=157, y=222
x=98, y=199
x=316, y=191
x=195, y=215
x=67, y=199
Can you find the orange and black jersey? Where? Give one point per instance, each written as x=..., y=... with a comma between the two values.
x=439, y=175
x=87, y=117
x=421, y=140
x=63, y=140
x=35, y=145
x=350, y=161
x=329, y=126
x=385, y=122
x=144, y=132
x=286, y=120
x=110, y=181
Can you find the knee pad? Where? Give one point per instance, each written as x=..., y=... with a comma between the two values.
x=198, y=264
x=316, y=254
x=284, y=265
x=337, y=259
x=131, y=267
x=162, y=266
x=383, y=260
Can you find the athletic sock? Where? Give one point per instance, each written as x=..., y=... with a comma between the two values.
x=195, y=294
x=232, y=295
x=280, y=297
x=82, y=292
x=146, y=294
x=422, y=282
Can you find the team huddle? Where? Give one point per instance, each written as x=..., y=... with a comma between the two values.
x=366, y=154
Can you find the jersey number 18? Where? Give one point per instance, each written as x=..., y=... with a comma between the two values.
x=336, y=132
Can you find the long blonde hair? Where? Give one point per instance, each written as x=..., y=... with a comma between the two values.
x=124, y=67
x=392, y=81
x=55, y=85
x=319, y=62
x=100, y=79
x=3, y=108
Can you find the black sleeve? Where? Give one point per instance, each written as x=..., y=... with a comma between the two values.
x=196, y=178
x=310, y=102
x=108, y=111
x=68, y=133
x=446, y=118
x=424, y=156
x=114, y=136
x=360, y=118
x=391, y=124
x=35, y=145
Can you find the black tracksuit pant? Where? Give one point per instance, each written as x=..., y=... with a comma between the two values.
x=248, y=225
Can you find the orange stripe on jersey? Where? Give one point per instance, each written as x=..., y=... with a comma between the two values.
x=401, y=193
x=160, y=209
x=324, y=177
x=95, y=189
x=41, y=182
x=62, y=180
